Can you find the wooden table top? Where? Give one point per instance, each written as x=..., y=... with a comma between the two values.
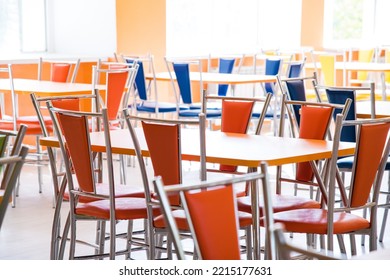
x=227, y=148
x=355, y=66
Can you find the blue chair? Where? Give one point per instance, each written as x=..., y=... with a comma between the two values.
x=295, y=68
x=143, y=103
x=226, y=66
x=182, y=83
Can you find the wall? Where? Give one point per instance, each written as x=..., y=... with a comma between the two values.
x=82, y=28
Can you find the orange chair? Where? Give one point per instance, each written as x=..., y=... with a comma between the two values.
x=72, y=103
x=87, y=200
x=163, y=140
x=211, y=214
x=370, y=161
x=312, y=115
x=60, y=71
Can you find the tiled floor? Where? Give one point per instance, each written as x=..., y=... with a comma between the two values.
x=25, y=234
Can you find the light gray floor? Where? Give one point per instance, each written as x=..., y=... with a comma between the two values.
x=25, y=234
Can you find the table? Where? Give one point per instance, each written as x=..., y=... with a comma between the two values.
x=218, y=78
x=360, y=66
x=227, y=148
x=45, y=88
x=382, y=109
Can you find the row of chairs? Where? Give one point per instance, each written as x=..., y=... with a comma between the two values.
x=322, y=105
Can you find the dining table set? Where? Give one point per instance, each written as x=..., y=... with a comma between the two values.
x=248, y=150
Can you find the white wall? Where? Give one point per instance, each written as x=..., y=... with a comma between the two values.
x=82, y=27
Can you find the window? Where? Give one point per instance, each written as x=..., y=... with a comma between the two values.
x=232, y=26
x=22, y=26
x=356, y=23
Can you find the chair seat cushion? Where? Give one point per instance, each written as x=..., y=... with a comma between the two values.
x=315, y=221
x=210, y=113
x=245, y=220
x=126, y=208
x=162, y=107
x=279, y=203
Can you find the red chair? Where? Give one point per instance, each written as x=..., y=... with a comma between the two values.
x=315, y=118
x=367, y=173
x=163, y=140
x=60, y=71
x=87, y=200
x=72, y=103
x=211, y=214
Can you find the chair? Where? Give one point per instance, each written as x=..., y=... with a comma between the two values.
x=363, y=55
x=368, y=168
x=14, y=122
x=297, y=89
x=146, y=99
x=118, y=79
x=182, y=88
x=88, y=202
x=60, y=71
x=226, y=64
x=236, y=115
x=295, y=68
x=315, y=120
x=211, y=213
x=311, y=112
x=165, y=154
x=348, y=134
x=12, y=166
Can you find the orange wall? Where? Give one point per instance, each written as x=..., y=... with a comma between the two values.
x=312, y=23
x=141, y=28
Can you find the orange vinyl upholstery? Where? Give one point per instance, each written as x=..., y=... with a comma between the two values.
x=235, y=118
x=116, y=82
x=214, y=217
x=59, y=72
x=314, y=124
x=368, y=160
x=74, y=129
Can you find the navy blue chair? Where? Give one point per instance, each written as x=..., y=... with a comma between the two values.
x=182, y=84
x=144, y=102
x=226, y=66
x=295, y=68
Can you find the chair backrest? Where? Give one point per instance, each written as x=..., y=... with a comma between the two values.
x=365, y=55
x=273, y=67
x=142, y=88
x=314, y=124
x=237, y=113
x=60, y=71
x=369, y=163
x=295, y=88
x=163, y=142
x=328, y=69
x=211, y=213
x=339, y=95
x=72, y=103
x=182, y=69
x=119, y=78
x=73, y=130
x=226, y=66
x=295, y=68
x=13, y=163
